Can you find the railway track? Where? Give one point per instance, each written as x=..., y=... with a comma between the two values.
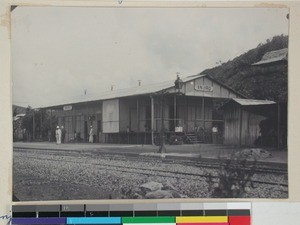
x=260, y=167
x=84, y=156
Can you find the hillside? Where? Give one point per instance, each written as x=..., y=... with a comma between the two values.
x=251, y=81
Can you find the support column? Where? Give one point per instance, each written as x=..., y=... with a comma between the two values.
x=162, y=148
x=50, y=138
x=203, y=111
x=41, y=125
x=152, y=120
x=278, y=126
x=186, y=115
x=241, y=127
x=138, y=119
x=175, y=111
x=33, y=125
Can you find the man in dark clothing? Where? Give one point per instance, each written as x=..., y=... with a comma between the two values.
x=63, y=134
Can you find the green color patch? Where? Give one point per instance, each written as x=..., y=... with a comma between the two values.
x=156, y=219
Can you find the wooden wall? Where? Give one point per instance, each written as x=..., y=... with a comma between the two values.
x=75, y=118
x=190, y=110
x=250, y=127
x=110, y=116
x=158, y=114
x=240, y=126
x=127, y=107
x=133, y=113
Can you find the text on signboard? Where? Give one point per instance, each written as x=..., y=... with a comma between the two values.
x=203, y=88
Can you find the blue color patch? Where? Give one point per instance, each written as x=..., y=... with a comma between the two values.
x=94, y=220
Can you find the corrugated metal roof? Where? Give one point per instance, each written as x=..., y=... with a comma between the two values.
x=138, y=90
x=249, y=102
x=273, y=56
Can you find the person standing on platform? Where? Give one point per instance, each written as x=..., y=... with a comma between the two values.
x=63, y=134
x=215, y=134
x=58, y=135
x=91, y=135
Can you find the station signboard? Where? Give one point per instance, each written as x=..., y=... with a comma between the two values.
x=205, y=88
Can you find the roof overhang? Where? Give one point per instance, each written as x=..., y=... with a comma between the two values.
x=260, y=107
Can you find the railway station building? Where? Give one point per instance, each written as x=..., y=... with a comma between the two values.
x=200, y=109
x=137, y=115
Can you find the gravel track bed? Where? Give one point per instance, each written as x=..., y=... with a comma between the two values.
x=99, y=171
x=152, y=168
x=108, y=155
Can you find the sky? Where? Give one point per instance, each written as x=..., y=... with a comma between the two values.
x=58, y=53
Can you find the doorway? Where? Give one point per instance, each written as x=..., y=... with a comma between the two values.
x=85, y=131
x=99, y=129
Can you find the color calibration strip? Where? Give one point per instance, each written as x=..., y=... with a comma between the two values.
x=137, y=214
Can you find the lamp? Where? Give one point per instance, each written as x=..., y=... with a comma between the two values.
x=178, y=83
x=178, y=86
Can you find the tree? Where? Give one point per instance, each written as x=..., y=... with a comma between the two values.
x=27, y=123
x=41, y=122
x=17, y=128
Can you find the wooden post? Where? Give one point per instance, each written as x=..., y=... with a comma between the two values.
x=152, y=120
x=138, y=119
x=175, y=112
x=241, y=129
x=162, y=148
x=33, y=125
x=203, y=113
x=186, y=114
x=278, y=126
x=41, y=125
x=50, y=139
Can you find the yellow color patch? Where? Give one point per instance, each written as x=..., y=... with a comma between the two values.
x=197, y=219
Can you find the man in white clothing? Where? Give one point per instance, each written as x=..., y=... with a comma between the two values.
x=91, y=135
x=58, y=135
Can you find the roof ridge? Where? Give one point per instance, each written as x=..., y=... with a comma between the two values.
x=114, y=93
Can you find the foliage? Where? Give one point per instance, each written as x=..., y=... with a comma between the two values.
x=233, y=179
x=251, y=81
x=27, y=122
x=17, y=125
x=43, y=123
x=16, y=128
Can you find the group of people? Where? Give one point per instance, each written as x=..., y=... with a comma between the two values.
x=60, y=134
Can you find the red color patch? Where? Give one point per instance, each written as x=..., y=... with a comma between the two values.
x=239, y=220
x=204, y=223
